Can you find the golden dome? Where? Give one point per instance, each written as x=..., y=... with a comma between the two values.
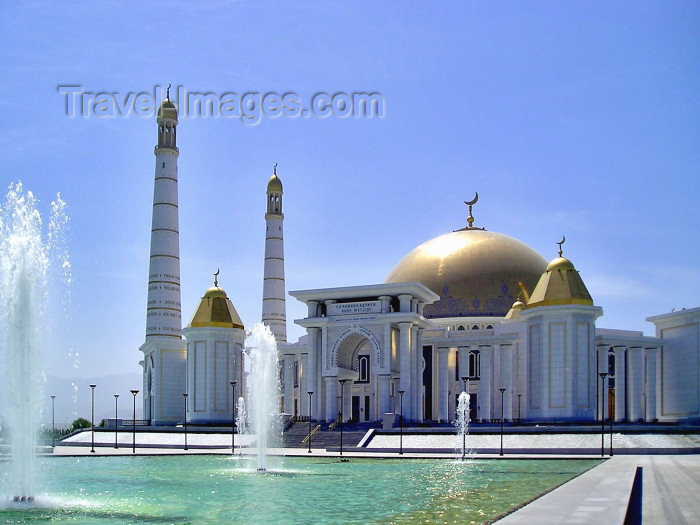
x=274, y=185
x=476, y=272
x=514, y=312
x=560, y=284
x=167, y=110
x=216, y=309
x=560, y=263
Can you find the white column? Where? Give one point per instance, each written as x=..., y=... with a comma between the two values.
x=412, y=394
x=405, y=303
x=384, y=381
x=303, y=398
x=419, y=375
x=635, y=382
x=620, y=394
x=347, y=400
x=312, y=309
x=650, y=387
x=485, y=383
x=442, y=375
x=405, y=361
x=331, y=398
x=289, y=384
x=311, y=372
x=463, y=363
x=386, y=300
x=507, y=380
x=451, y=382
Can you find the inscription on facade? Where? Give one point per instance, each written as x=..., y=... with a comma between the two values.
x=363, y=307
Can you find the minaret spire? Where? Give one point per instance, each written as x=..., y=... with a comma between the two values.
x=274, y=307
x=164, y=364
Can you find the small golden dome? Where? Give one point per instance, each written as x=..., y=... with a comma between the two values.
x=215, y=291
x=560, y=263
x=274, y=185
x=560, y=284
x=514, y=312
x=167, y=110
x=216, y=309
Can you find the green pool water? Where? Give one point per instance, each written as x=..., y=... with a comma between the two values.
x=219, y=489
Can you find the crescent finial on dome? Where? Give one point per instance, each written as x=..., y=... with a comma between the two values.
x=563, y=240
x=470, y=219
x=216, y=278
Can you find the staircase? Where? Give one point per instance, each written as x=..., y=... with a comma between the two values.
x=352, y=434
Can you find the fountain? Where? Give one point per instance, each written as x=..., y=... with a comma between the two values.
x=462, y=421
x=241, y=417
x=263, y=392
x=25, y=258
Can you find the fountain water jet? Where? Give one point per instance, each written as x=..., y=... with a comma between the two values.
x=264, y=392
x=25, y=258
x=241, y=417
x=462, y=421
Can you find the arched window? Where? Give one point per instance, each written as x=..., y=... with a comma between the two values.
x=475, y=327
x=474, y=364
x=460, y=327
x=363, y=369
x=489, y=327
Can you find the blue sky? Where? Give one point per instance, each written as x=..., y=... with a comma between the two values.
x=567, y=117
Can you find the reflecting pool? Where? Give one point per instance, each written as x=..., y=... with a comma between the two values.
x=198, y=489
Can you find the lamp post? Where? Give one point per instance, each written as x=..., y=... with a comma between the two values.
x=92, y=420
x=502, y=390
x=520, y=417
x=233, y=414
x=116, y=417
x=401, y=393
x=342, y=384
x=185, y=397
x=611, y=425
x=602, y=375
x=310, y=394
x=53, y=421
x=133, y=424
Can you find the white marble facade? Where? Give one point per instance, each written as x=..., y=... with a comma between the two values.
x=548, y=361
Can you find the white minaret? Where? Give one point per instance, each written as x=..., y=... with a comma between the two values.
x=165, y=358
x=273, y=308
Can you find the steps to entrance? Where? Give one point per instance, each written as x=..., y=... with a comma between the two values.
x=352, y=435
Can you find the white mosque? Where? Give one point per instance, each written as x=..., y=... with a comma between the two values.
x=469, y=309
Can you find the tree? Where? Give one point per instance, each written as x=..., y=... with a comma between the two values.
x=79, y=423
